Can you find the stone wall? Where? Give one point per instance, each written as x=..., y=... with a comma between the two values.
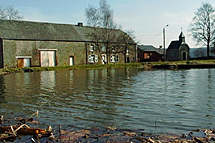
x=64, y=50
x=14, y=48
x=172, y=54
x=132, y=53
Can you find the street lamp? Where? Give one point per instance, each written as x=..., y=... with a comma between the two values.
x=164, y=30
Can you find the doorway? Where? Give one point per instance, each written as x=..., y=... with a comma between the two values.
x=23, y=62
x=127, y=60
x=184, y=56
x=48, y=58
x=71, y=60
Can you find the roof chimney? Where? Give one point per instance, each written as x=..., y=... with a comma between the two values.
x=80, y=24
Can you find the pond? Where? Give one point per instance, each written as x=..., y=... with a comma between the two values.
x=160, y=101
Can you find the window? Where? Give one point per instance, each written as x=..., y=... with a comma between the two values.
x=127, y=53
x=92, y=48
x=113, y=49
x=93, y=59
x=96, y=59
x=146, y=56
x=104, y=58
x=103, y=49
x=114, y=58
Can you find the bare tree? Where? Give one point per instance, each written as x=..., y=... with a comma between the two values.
x=213, y=49
x=100, y=17
x=104, y=28
x=106, y=31
x=125, y=39
x=10, y=13
x=2, y=14
x=203, y=26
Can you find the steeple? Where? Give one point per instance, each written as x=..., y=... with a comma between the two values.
x=182, y=37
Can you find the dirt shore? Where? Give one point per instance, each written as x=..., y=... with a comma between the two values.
x=26, y=130
x=113, y=135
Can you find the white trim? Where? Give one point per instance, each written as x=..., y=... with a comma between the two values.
x=23, y=57
x=92, y=48
x=47, y=49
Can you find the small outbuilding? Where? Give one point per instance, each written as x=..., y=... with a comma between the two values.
x=148, y=53
x=178, y=50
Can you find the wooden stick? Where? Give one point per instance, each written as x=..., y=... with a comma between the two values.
x=1, y=119
x=25, y=131
x=60, y=133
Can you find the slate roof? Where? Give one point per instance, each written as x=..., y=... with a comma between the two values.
x=181, y=35
x=174, y=45
x=150, y=48
x=26, y=30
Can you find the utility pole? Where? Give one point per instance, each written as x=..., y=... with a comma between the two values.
x=164, y=41
x=164, y=52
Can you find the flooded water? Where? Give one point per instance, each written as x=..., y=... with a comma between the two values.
x=162, y=101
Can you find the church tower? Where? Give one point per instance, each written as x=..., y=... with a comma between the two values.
x=182, y=38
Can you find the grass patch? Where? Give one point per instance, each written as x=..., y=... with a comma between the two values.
x=184, y=62
x=145, y=65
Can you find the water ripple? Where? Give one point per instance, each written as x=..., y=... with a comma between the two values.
x=157, y=101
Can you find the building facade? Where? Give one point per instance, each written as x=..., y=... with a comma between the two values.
x=115, y=53
x=35, y=44
x=178, y=50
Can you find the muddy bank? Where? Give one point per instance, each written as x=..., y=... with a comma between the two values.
x=113, y=135
x=23, y=130
x=110, y=135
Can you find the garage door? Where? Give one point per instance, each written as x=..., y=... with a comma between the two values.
x=23, y=61
x=47, y=58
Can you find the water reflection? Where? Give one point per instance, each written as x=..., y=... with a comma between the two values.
x=176, y=101
x=2, y=87
x=48, y=80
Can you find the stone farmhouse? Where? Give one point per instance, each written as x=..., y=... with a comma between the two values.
x=37, y=44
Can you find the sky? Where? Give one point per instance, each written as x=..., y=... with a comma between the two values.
x=146, y=18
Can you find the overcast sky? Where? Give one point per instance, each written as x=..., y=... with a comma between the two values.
x=145, y=17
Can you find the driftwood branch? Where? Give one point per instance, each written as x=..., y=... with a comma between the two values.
x=11, y=132
x=25, y=130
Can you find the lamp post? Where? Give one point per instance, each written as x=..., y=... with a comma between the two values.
x=164, y=39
